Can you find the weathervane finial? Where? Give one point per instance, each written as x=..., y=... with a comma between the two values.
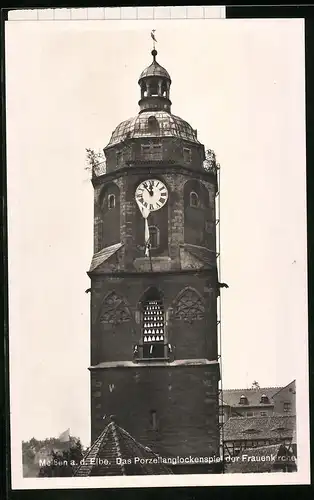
x=154, y=38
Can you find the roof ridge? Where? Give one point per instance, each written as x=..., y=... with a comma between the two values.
x=255, y=389
x=261, y=416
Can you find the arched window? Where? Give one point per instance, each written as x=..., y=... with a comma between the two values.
x=264, y=399
x=153, y=237
x=243, y=400
x=153, y=125
x=153, y=326
x=111, y=201
x=194, y=200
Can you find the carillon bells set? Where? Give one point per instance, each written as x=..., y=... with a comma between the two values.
x=153, y=323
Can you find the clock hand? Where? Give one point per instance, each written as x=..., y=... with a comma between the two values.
x=149, y=190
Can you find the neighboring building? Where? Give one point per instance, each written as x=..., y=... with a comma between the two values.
x=240, y=433
x=285, y=400
x=154, y=358
x=272, y=458
x=255, y=402
x=116, y=453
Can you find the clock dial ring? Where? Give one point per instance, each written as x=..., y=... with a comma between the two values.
x=151, y=194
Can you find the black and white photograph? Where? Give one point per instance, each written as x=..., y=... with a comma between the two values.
x=157, y=243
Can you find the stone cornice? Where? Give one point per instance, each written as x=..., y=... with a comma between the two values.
x=126, y=274
x=159, y=168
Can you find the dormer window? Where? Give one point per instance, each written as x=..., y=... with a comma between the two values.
x=194, y=200
x=243, y=400
x=280, y=428
x=252, y=430
x=187, y=155
x=111, y=201
x=153, y=125
x=264, y=399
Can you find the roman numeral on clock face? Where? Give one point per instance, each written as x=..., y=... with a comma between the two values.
x=140, y=198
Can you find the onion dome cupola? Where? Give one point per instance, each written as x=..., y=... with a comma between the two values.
x=155, y=87
x=155, y=118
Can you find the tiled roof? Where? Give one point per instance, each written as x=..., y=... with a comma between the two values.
x=262, y=459
x=114, y=444
x=271, y=427
x=137, y=127
x=231, y=397
x=155, y=70
x=201, y=253
x=104, y=255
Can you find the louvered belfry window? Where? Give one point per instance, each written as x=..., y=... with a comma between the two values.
x=153, y=329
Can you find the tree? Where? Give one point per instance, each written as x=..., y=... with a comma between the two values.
x=96, y=162
x=63, y=463
x=210, y=163
x=255, y=385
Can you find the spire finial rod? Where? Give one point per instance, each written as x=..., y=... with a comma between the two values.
x=154, y=39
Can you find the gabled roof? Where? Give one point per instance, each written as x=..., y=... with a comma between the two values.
x=103, y=255
x=271, y=427
x=261, y=459
x=292, y=389
x=231, y=397
x=114, y=445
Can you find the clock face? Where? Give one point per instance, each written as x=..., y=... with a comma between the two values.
x=151, y=194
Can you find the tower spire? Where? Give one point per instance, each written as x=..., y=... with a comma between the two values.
x=155, y=84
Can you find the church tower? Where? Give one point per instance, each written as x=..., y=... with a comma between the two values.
x=154, y=285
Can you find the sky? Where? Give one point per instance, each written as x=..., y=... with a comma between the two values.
x=68, y=85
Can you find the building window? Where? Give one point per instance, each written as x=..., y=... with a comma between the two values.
x=263, y=413
x=250, y=414
x=187, y=155
x=119, y=158
x=194, y=201
x=153, y=329
x=264, y=399
x=153, y=419
x=287, y=406
x=111, y=201
x=151, y=151
x=243, y=400
x=153, y=237
x=153, y=125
